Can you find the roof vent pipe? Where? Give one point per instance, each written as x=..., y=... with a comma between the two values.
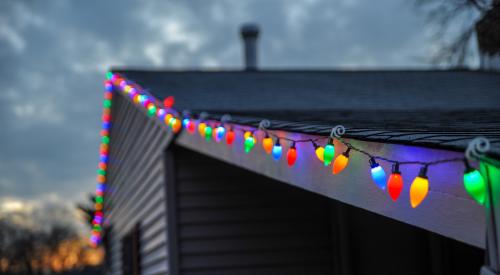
x=249, y=34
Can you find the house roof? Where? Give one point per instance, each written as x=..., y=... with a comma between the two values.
x=439, y=108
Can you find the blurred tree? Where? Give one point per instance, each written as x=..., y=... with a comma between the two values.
x=455, y=22
x=34, y=244
x=88, y=210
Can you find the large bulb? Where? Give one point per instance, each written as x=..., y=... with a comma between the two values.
x=329, y=152
x=219, y=135
x=249, y=142
x=395, y=183
x=419, y=188
x=151, y=109
x=267, y=144
x=229, y=137
x=160, y=113
x=474, y=184
x=277, y=150
x=185, y=122
x=319, y=151
x=169, y=101
x=176, y=125
x=291, y=156
x=208, y=133
x=167, y=118
x=341, y=162
x=378, y=174
x=247, y=134
x=201, y=128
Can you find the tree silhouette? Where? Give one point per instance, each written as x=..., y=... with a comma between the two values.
x=456, y=19
x=88, y=210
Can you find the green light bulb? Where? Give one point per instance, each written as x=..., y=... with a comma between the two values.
x=329, y=152
x=99, y=199
x=105, y=140
x=152, y=111
x=249, y=144
x=107, y=103
x=101, y=172
x=109, y=75
x=208, y=133
x=475, y=185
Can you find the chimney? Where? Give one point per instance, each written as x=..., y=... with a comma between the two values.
x=249, y=33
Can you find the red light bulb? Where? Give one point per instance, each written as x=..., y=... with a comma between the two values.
x=169, y=102
x=191, y=127
x=291, y=156
x=229, y=137
x=395, y=182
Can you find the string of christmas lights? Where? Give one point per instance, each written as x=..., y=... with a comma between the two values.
x=223, y=129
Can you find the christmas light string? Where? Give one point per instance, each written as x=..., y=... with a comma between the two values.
x=223, y=129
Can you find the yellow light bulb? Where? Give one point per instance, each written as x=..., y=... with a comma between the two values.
x=201, y=128
x=319, y=153
x=419, y=188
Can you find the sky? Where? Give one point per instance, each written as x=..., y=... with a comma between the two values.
x=54, y=54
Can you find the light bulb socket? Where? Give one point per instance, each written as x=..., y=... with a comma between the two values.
x=373, y=163
x=423, y=172
x=346, y=153
x=330, y=140
x=395, y=168
x=292, y=146
x=277, y=143
x=468, y=167
x=315, y=145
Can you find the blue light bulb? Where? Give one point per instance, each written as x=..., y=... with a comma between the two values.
x=106, y=125
x=220, y=133
x=378, y=174
x=185, y=122
x=277, y=150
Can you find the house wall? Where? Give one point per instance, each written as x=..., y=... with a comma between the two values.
x=447, y=210
x=136, y=191
x=225, y=220
x=232, y=221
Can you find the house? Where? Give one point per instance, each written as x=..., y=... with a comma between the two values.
x=175, y=196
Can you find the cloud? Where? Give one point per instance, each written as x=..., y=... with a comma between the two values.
x=54, y=55
x=12, y=38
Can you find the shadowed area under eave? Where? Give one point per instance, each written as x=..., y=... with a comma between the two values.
x=439, y=108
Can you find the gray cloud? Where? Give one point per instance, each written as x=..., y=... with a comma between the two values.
x=53, y=55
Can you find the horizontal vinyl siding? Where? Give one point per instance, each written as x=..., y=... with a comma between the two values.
x=136, y=182
x=231, y=221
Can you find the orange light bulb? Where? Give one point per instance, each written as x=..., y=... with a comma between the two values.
x=167, y=118
x=267, y=144
x=341, y=162
x=176, y=125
